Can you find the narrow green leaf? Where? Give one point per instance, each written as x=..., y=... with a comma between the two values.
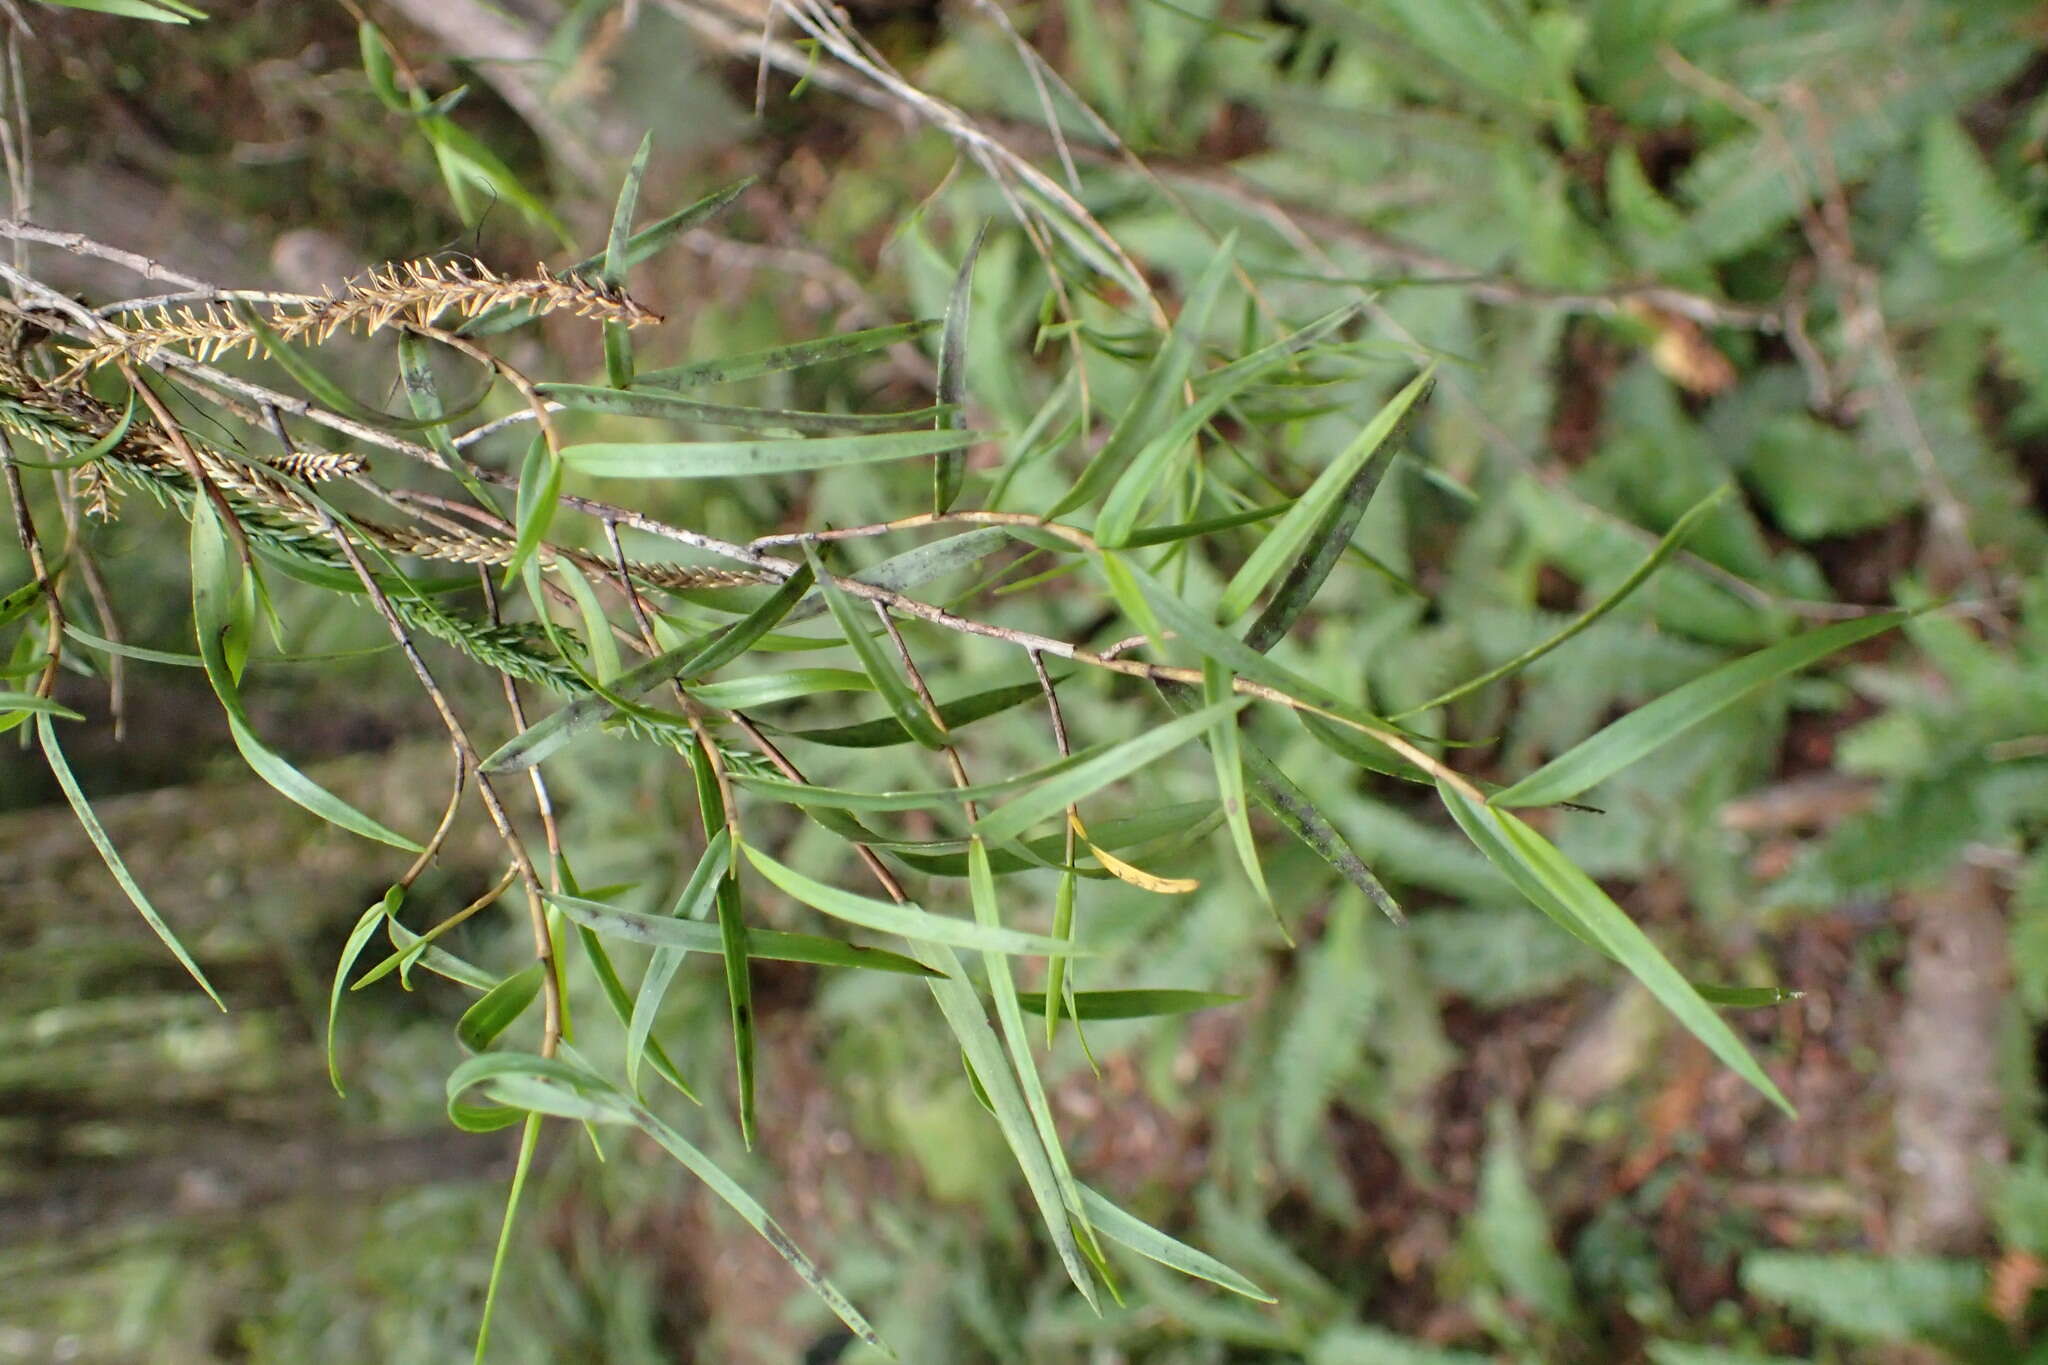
x=436, y=960
x=1131, y=1004
x=25, y=598
x=325, y=391
x=1286, y=802
x=377, y=65
x=877, y=734
x=214, y=594
x=1191, y=530
x=758, y=1218
x=767, y=689
x=1149, y=1242
x=622, y=1009
x=949, y=472
x=618, y=342
x=962, y=1008
x=464, y=159
x=1198, y=632
x=670, y=408
x=810, y=795
x=46, y=735
x=690, y=906
x=1010, y=1019
x=914, y=568
x=1058, y=989
x=779, y=358
x=739, y=992
x=1746, y=997
x=1665, y=548
x=483, y=1021
x=754, y=459
x=92, y=452
x=19, y=703
x=1155, y=462
x=540, y=488
x=694, y=936
x=1570, y=897
x=156, y=11
x=907, y=920
x=384, y=909
x=1223, y=743
x=1646, y=728
x=692, y=657
x=1096, y=771
x=1314, y=507
x=569, y=1090
x=895, y=690
x=597, y=627
x=1152, y=407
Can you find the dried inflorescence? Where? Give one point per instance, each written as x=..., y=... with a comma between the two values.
x=412, y=294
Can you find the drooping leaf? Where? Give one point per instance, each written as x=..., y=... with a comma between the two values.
x=1644, y=729
x=1559, y=889
x=1149, y=1242
x=46, y=735
x=501, y=1005
x=358, y=938
x=213, y=594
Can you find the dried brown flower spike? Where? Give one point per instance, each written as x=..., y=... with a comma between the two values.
x=409, y=294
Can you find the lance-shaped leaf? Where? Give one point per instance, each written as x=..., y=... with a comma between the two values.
x=878, y=734
x=690, y=907
x=565, y=1089
x=671, y=408
x=1096, y=771
x=776, y=359
x=907, y=920
x=213, y=612
x=1312, y=510
x=1151, y=409
x=950, y=470
x=618, y=342
x=687, y=660
x=755, y=459
x=1149, y=1242
x=695, y=936
x=1577, y=904
x=60, y=768
x=1131, y=1004
x=1643, y=730
x=895, y=689
x=1156, y=461
x=1665, y=548
x=366, y=925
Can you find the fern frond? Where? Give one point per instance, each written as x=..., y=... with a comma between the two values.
x=1966, y=215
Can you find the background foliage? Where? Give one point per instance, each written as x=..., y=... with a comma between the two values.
x=1650, y=249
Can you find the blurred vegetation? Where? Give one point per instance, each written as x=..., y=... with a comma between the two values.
x=1651, y=249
